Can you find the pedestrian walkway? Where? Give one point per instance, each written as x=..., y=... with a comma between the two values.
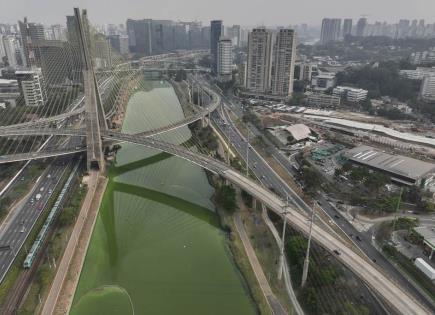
x=275, y=305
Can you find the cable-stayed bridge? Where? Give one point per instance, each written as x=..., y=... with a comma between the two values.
x=94, y=129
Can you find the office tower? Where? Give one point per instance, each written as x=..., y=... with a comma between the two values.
x=361, y=27
x=10, y=46
x=259, y=67
x=103, y=52
x=283, y=63
x=225, y=59
x=234, y=33
x=194, y=36
x=347, y=27
x=330, y=30
x=205, y=37
x=421, y=28
x=215, y=34
x=2, y=49
x=403, y=29
x=57, y=62
x=119, y=43
x=32, y=86
x=31, y=34
x=139, y=36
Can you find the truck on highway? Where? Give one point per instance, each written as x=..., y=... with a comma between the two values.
x=424, y=267
x=38, y=196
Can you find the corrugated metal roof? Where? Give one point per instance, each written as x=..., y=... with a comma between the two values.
x=397, y=164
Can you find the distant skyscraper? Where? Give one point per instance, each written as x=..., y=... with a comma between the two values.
x=234, y=33
x=215, y=34
x=119, y=43
x=139, y=36
x=330, y=30
x=347, y=27
x=284, y=54
x=225, y=59
x=258, y=69
x=31, y=34
x=10, y=45
x=361, y=27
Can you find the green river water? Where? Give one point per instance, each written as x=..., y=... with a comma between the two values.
x=157, y=247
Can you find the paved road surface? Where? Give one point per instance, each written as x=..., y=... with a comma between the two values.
x=273, y=302
x=271, y=180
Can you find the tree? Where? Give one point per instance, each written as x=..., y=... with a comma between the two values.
x=309, y=298
x=67, y=216
x=226, y=197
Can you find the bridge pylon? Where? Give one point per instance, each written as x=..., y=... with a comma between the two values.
x=94, y=113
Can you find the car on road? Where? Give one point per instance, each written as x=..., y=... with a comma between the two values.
x=336, y=252
x=358, y=238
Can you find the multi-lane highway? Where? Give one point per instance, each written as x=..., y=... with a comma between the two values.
x=18, y=226
x=271, y=180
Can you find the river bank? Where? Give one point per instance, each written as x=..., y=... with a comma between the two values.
x=157, y=246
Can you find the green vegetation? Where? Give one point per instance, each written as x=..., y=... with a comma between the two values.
x=250, y=117
x=325, y=278
x=226, y=198
x=380, y=81
x=408, y=266
x=55, y=248
x=206, y=137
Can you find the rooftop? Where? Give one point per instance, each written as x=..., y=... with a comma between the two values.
x=299, y=131
x=7, y=81
x=428, y=233
x=397, y=164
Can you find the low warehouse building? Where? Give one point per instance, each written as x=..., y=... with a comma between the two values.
x=400, y=168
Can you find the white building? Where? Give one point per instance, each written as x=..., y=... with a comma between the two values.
x=10, y=48
x=353, y=95
x=284, y=54
x=417, y=74
x=323, y=81
x=259, y=63
x=225, y=59
x=427, y=91
x=32, y=86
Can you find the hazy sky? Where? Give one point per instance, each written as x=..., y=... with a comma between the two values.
x=245, y=12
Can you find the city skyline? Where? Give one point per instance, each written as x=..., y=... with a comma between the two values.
x=193, y=10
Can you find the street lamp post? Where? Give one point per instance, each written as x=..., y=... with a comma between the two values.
x=281, y=255
x=247, y=154
x=307, y=256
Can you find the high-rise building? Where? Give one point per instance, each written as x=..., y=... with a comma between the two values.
x=10, y=46
x=225, y=59
x=32, y=86
x=152, y=37
x=330, y=30
x=215, y=34
x=259, y=62
x=347, y=27
x=234, y=33
x=119, y=43
x=31, y=34
x=361, y=27
x=140, y=36
x=283, y=62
